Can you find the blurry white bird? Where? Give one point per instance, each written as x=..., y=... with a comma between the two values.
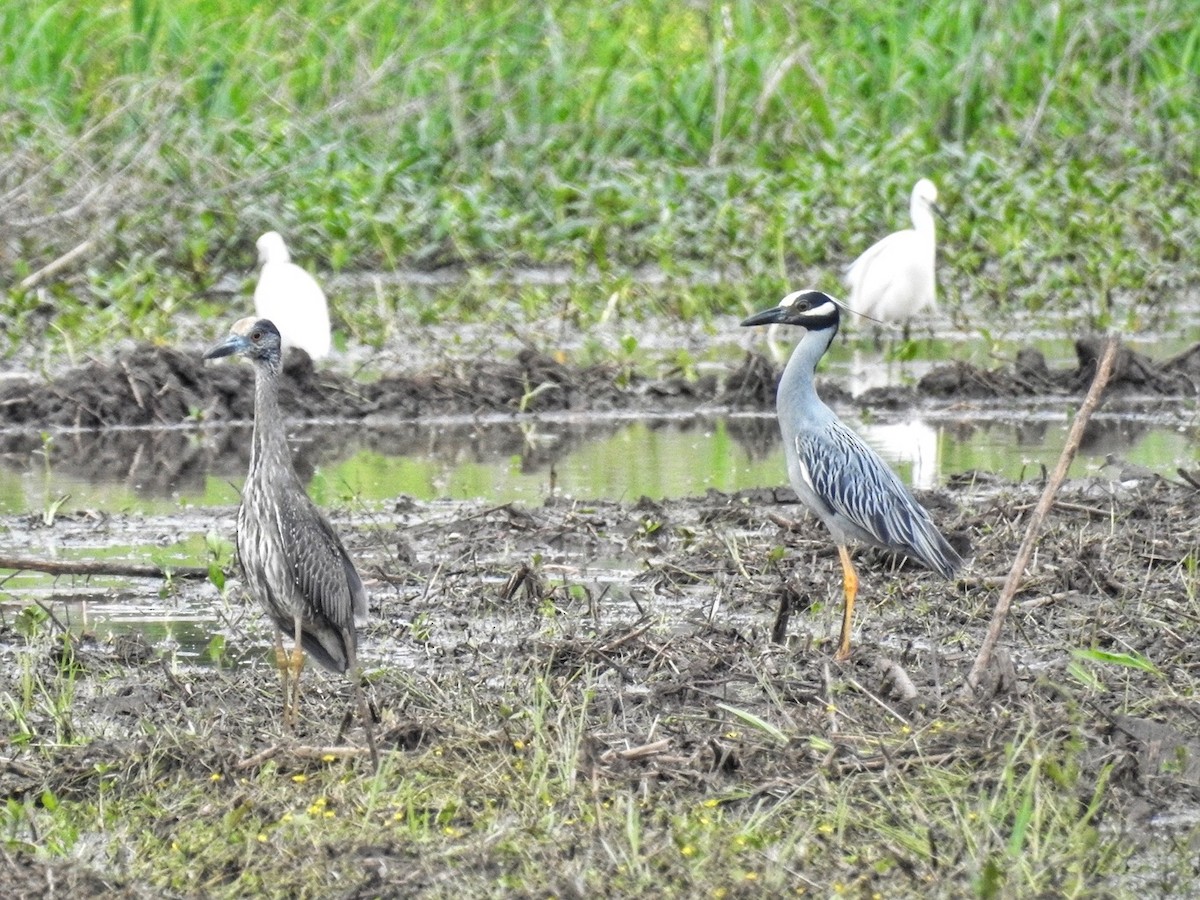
x=893, y=280
x=291, y=298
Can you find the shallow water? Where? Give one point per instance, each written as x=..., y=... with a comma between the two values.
x=180, y=488
x=501, y=459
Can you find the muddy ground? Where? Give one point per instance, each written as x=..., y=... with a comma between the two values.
x=162, y=386
x=666, y=616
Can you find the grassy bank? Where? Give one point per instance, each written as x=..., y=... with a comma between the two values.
x=763, y=142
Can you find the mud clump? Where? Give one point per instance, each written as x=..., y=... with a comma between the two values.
x=154, y=386
x=1030, y=376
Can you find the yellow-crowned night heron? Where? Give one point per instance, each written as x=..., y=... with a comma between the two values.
x=835, y=473
x=292, y=560
x=894, y=279
x=291, y=298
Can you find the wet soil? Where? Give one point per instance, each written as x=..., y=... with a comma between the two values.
x=665, y=614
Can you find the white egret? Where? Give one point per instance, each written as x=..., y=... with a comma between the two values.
x=894, y=278
x=291, y=298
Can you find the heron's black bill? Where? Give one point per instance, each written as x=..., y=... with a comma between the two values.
x=770, y=316
x=235, y=343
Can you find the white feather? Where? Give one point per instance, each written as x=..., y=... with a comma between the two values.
x=894, y=279
x=806, y=476
x=291, y=298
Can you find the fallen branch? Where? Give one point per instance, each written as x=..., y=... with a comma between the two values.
x=984, y=660
x=99, y=567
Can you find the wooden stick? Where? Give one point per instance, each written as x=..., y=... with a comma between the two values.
x=99, y=567
x=1025, y=553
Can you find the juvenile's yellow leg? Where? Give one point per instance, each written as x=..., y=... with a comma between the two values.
x=283, y=663
x=296, y=664
x=850, y=589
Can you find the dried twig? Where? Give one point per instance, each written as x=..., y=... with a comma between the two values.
x=1025, y=553
x=879, y=701
x=644, y=751
x=34, y=279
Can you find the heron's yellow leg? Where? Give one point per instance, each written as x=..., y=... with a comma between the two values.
x=850, y=589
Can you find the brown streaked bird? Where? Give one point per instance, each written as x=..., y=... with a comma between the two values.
x=835, y=472
x=292, y=560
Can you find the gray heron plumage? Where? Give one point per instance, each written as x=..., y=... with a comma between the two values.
x=293, y=562
x=835, y=472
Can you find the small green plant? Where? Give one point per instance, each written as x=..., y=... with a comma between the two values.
x=50, y=513
x=649, y=527
x=220, y=553
x=530, y=394
x=1111, y=658
x=168, y=586
x=31, y=621
x=754, y=721
x=421, y=628
x=215, y=651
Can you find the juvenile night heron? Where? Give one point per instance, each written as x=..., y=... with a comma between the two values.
x=291, y=298
x=893, y=279
x=834, y=472
x=292, y=560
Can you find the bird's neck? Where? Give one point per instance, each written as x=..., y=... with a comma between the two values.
x=269, y=447
x=922, y=217
x=797, y=383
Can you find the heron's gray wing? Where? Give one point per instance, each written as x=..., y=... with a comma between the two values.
x=321, y=568
x=858, y=486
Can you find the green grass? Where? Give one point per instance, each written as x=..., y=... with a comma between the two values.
x=756, y=140
x=503, y=795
